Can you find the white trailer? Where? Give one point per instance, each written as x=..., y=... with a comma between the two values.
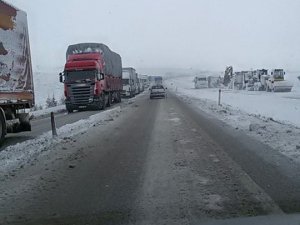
x=16, y=78
x=129, y=82
x=201, y=82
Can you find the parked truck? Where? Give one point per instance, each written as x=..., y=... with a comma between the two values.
x=16, y=78
x=260, y=78
x=143, y=79
x=137, y=84
x=201, y=81
x=277, y=83
x=158, y=80
x=129, y=82
x=92, y=77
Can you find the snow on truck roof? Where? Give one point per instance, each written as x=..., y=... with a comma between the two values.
x=113, y=61
x=4, y=4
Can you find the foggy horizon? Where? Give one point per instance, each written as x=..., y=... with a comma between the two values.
x=202, y=35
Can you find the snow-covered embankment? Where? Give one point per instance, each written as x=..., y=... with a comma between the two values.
x=272, y=118
x=16, y=156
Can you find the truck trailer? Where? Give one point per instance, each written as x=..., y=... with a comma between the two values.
x=16, y=78
x=92, y=77
x=201, y=81
x=129, y=82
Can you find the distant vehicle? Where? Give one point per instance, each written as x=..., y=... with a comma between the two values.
x=141, y=87
x=158, y=80
x=129, y=82
x=277, y=83
x=260, y=79
x=137, y=84
x=143, y=82
x=157, y=91
x=92, y=76
x=213, y=81
x=201, y=82
x=155, y=80
x=16, y=77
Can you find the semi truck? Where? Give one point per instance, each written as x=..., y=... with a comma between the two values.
x=155, y=80
x=92, y=77
x=262, y=80
x=137, y=84
x=129, y=82
x=158, y=80
x=16, y=77
x=201, y=81
x=143, y=81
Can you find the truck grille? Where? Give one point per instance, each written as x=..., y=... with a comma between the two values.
x=80, y=94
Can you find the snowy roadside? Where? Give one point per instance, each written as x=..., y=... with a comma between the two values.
x=16, y=156
x=44, y=112
x=282, y=136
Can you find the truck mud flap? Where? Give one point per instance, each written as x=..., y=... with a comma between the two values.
x=24, y=119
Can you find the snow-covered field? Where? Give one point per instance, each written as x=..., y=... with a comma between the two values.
x=273, y=118
x=46, y=84
x=47, y=111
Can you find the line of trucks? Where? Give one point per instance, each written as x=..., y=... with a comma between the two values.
x=255, y=80
x=93, y=76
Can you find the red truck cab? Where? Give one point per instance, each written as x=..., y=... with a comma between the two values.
x=86, y=85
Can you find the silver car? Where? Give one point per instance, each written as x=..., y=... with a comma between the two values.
x=157, y=91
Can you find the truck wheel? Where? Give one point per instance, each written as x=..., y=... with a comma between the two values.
x=119, y=99
x=109, y=100
x=102, y=102
x=24, y=121
x=69, y=109
x=2, y=127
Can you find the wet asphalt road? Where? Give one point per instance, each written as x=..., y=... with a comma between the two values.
x=158, y=162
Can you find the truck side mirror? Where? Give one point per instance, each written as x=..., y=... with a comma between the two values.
x=60, y=77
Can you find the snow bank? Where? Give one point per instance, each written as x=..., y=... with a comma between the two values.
x=47, y=111
x=16, y=156
x=283, y=107
x=272, y=118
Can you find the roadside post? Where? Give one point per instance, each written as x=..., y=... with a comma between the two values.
x=53, y=126
x=219, y=102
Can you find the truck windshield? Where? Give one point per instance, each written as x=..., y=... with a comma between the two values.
x=125, y=81
x=80, y=75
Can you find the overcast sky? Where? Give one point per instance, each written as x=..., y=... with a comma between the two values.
x=203, y=34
